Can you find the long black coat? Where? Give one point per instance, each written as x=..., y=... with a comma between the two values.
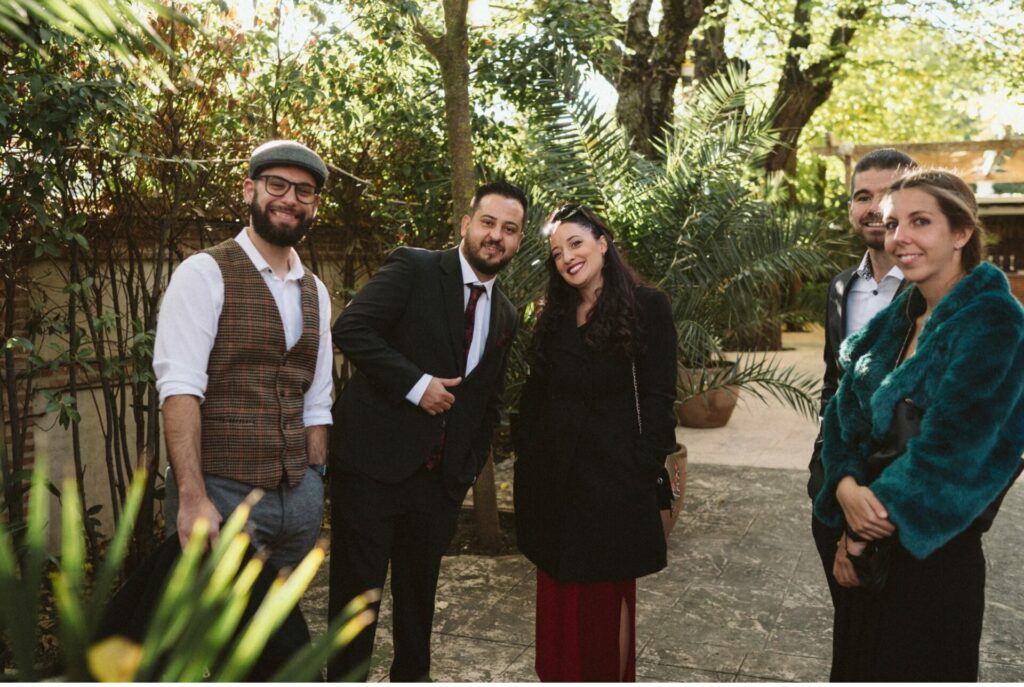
x=586, y=506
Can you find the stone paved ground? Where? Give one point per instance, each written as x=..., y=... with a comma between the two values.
x=743, y=598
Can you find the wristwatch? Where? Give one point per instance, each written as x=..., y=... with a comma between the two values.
x=320, y=469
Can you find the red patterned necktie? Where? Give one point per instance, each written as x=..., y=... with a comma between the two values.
x=475, y=291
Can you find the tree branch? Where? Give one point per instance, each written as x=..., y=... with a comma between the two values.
x=638, y=29
x=432, y=42
x=681, y=18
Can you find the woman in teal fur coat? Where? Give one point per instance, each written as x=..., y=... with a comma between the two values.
x=953, y=346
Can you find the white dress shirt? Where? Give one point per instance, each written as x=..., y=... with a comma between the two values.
x=481, y=325
x=867, y=297
x=190, y=312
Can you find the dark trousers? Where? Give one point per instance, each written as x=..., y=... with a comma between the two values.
x=826, y=538
x=410, y=524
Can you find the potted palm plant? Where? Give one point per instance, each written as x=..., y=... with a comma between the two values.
x=700, y=223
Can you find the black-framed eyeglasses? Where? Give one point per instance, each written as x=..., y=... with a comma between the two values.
x=278, y=187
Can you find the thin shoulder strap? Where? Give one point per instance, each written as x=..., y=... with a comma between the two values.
x=636, y=398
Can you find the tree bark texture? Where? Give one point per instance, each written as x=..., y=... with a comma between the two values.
x=451, y=50
x=646, y=73
x=802, y=89
x=485, y=507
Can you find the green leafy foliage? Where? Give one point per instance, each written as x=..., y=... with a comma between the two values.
x=699, y=224
x=192, y=635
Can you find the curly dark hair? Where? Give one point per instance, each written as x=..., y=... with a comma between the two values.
x=614, y=323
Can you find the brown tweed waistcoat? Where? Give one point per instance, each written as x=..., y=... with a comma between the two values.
x=253, y=431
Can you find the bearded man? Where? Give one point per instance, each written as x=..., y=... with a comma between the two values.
x=243, y=367
x=429, y=336
x=855, y=295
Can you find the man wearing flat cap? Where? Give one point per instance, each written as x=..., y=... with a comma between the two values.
x=243, y=366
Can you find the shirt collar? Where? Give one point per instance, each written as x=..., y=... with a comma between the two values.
x=864, y=270
x=295, y=270
x=469, y=276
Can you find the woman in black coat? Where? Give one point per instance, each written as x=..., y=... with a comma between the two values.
x=595, y=424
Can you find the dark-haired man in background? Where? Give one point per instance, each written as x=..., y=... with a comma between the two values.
x=854, y=297
x=429, y=337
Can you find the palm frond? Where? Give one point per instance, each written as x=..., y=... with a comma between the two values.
x=698, y=222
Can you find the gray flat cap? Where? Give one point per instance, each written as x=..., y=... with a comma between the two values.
x=289, y=154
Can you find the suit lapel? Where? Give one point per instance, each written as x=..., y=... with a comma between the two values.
x=496, y=326
x=844, y=299
x=454, y=308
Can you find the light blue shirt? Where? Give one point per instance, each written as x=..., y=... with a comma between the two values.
x=868, y=297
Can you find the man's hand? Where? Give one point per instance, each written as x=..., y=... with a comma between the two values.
x=864, y=512
x=191, y=510
x=842, y=569
x=437, y=399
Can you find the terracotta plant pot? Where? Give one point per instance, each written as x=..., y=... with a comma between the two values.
x=707, y=409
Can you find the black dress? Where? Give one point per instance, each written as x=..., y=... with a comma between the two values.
x=924, y=626
x=925, y=623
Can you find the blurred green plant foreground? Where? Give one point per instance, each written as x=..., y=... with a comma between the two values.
x=195, y=632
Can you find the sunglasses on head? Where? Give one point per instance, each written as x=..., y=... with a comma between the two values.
x=581, y=214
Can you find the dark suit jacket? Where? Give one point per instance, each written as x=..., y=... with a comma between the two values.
x=835, y=333
x=585, y=497
x=407, y=321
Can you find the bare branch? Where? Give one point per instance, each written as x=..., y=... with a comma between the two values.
x=432, y=42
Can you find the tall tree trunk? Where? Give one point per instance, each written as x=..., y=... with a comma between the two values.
x=802, y=89
x=451, y=50
x=646, y=73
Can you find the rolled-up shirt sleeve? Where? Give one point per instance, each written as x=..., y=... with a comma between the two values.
x=317, y=401
x=187, y=327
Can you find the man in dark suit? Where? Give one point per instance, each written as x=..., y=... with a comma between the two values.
x=429, y=336
x=855, y=295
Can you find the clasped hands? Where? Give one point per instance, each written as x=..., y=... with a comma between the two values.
x=866, y=516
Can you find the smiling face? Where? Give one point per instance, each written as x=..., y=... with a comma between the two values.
x=919, y=238
x=492, y=234
x=280, y=220
x=869, y=188
x=578, y=256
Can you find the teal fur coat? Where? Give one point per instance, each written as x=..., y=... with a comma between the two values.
x=967, y=374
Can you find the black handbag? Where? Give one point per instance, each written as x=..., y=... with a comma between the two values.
x=872, y=564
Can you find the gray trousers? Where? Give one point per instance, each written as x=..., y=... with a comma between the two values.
x=286, y=521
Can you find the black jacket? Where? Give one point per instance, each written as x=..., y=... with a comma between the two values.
x=835, y=333
x=408, y=321
x=586, y=506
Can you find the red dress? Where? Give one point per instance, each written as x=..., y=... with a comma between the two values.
x=578, y=630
